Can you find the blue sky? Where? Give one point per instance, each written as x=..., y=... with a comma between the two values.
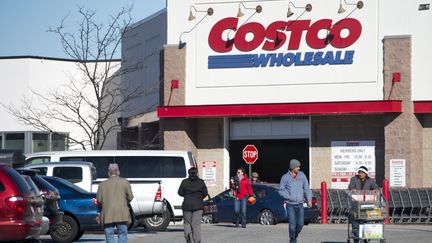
x=24, y=23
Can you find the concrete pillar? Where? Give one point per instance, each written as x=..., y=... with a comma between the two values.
x=427, y=150
x=174, y=68
x=403, y=132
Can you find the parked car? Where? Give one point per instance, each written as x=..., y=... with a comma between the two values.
x=18, y=206
x=79, y=210
x=51, y=198
x=149, y=206
x=39, y=208
x=268, y=209
x=142, y=168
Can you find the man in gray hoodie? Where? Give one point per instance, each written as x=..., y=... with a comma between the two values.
x=294, y=187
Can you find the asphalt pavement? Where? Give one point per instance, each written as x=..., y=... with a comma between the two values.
x=227, y=233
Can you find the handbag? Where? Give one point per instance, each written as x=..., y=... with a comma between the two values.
x=210, y=207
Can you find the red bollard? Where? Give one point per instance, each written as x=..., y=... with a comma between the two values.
x=387, y=198
x=324, y=202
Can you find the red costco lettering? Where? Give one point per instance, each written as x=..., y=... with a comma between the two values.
x=274, y=37
x=258, y=32
x=215, y=37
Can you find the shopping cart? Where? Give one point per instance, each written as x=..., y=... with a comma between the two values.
x=367, y=209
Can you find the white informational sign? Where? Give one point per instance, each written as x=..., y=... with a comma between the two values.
x=347, y=157
x=209, y=173
x=397, y=172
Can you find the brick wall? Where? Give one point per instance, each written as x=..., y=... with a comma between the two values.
x=210, y=148
x=427, y=150
x=403, y=132
x=174, y=63
x=325, y=129
x=204, y=137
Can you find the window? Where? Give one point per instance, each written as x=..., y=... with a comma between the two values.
x=260, y=192
x=1, y=141
x=38, y=160
x=72, y=174
x=32, y=185
x=40, y=142
x=101, y=163
x=59, y=142
x=151, y=167
x=14, y=141
x=42, y=170
x=19, y=180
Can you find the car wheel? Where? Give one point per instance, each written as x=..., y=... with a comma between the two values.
x=207, y=219
x=266, y=217
x=158, y=223
x=67, y=231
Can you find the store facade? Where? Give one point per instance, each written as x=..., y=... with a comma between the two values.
x=334, y=84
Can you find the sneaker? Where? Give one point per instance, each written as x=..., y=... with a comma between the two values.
x=243, y=226
x=236, y=224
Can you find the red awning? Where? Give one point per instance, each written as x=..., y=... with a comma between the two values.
x=316, y=108
x=422, y=106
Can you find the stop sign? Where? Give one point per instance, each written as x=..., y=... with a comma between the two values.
x=250, y=154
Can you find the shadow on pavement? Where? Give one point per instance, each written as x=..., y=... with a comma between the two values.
x=225, y=225
x=174, y=230
x=333, y=242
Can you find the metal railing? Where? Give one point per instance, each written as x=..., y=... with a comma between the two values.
x=406, y=205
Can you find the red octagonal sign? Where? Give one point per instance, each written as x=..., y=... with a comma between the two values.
x=250, y=154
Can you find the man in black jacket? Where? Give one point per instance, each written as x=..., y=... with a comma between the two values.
x=361, y=181
x=194, y=190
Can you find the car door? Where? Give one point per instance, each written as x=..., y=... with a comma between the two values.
x=225, y=205
x=253, y=210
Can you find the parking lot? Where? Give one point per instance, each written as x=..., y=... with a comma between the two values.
x=217, y=233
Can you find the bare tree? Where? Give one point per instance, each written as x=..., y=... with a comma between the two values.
x=91, y=103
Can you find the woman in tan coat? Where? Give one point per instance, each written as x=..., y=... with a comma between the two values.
x=114, y=195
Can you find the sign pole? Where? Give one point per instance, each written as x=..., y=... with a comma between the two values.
x=250, y=156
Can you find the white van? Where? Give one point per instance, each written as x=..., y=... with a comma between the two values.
x=146, y=165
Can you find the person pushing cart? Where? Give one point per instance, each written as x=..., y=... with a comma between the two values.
x=367, y=208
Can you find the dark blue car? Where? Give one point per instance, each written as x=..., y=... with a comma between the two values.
x=269, y=207
x=79, y=210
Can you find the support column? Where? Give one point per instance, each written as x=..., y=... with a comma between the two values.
x=403, y=132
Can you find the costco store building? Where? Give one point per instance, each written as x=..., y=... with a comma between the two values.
x=331, y=83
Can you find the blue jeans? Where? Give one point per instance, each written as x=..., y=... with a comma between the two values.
x=121, y=231
x=240, y=216
x=295, y=219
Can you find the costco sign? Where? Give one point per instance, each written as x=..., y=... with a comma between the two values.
x=273, y=38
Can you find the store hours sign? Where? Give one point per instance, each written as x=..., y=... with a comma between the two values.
x=347, y=157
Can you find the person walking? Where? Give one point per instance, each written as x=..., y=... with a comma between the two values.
x=361, y=181
x=255, y=178
x=194, y=190
x=294, y=186
x=242, y=189
x=113, y=196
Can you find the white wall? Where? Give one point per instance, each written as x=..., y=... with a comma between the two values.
x=361, y=80
x=21, y=75
x=399, y=17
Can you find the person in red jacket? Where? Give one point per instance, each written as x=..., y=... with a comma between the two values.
x=241, y=187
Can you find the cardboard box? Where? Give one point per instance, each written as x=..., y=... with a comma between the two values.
x=371, y=231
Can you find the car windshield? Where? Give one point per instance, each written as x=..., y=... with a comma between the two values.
x=32, y=185
x=43, y=184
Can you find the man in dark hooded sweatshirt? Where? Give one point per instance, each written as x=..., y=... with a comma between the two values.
x=194, y=190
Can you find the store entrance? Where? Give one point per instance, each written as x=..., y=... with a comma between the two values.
x=273, y=158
